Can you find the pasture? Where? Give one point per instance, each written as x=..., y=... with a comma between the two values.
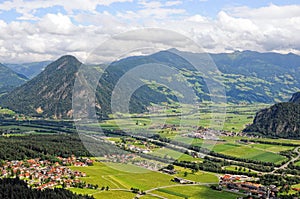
x=248, y=152
x=200, y=176
x=121, y=177
x=235, y=117
x=114, y=176
x=193, y=192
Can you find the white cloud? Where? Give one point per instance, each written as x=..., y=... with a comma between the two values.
x=197, y=18
x=173, y=3
x=275, y=28
x=271, y=12
x=51, y=37
x=272, y=28
x=155, y=10
x=57, y=24
x=27, y=8
x=106, y=23
x=158, y=4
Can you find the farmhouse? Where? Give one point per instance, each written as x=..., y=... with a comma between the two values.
x=182, y=181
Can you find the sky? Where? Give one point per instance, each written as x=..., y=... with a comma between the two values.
x=37, y=30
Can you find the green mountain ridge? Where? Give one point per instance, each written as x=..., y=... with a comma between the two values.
x=9, y=79
x=49, y=94
x=29, y=70
x=247, y=77
x=280, y=120
x=259, y=77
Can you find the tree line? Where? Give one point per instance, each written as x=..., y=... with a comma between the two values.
x=14, y=188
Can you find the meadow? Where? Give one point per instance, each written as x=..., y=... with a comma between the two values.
x=115, y=176
x=207, y=115
x=235, y=118
x=199, y=176
x=250, y=152
x=193, y=192
x=119, y=181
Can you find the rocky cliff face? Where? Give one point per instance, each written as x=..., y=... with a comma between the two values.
x=280, y=120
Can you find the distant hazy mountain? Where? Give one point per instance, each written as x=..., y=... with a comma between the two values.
x=280, y=120
x=49, y=94
x=9, y=79
x=30, y=70
x=259, y=77
x=247, y=77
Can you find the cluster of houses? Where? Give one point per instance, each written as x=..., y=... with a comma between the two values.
x=136, y=146
x=132, y=159
x=149, y=164
x=137, y=149
x=242, y=183
x=207, y=133
x=119, y=158
x=169, y=127
x=43, y=174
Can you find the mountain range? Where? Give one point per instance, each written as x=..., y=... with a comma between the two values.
x=29, y=70
x=10, y=79
x=49, y=94
x=248, y=77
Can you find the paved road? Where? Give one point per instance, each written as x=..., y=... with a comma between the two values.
x=296, y=150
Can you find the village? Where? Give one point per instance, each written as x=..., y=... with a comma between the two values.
x=42, y=174
x=241, y=183
x=207, y=133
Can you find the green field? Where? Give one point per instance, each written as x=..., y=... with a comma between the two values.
x=288, y=141
x=193, y=192
x=272, y=148
x=235, y=117
x=248, y=152
x=200, y=176
x=114, y=194
x=4, y=111
x=83, y=191
x=115, y=176
x=297, y=163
